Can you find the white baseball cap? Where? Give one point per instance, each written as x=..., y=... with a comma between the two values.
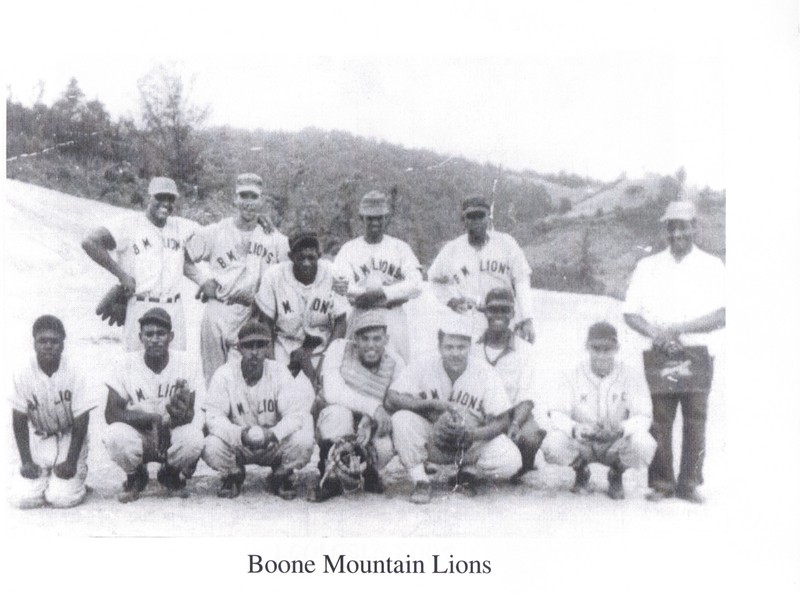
x=680, y=210
x=249, y=183
x=455, y=324
x=161, y=185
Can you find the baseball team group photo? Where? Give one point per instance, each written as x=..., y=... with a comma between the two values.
x=214, y=324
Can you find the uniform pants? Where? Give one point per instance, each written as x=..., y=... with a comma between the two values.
x=336, y=421
x=47, y=488
x=137, y=308
x=129, y=448
x=497, y=458
x=694, y=410
x=633, y=451
x=294, y=452
x=219, y=332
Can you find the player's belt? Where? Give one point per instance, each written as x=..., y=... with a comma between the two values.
x=152, y=299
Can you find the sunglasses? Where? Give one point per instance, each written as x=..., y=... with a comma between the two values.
x=253, y=344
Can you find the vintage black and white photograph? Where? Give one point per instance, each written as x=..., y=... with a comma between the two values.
x=333, y=293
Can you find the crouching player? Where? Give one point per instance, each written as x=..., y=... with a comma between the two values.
x=257, y=413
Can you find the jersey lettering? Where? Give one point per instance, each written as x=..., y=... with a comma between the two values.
x=231, y=256
x=221, y=262
x=64, y=396
x=145, y=243
x=287, y=308
x=266, y=406
x=492, y=265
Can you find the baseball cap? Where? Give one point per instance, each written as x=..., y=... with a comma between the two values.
x=49, y=322
x=475, y=203
x=302, y=239
x=602, y=331
x=680, y=210
x=253, y=330
x=373, y=318
x=373, y=203
x=500, y=296
x=454, y=324
x=156, y=315
x=249, y=183
x=161, y=185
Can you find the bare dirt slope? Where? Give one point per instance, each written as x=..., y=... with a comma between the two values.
x=45, y=270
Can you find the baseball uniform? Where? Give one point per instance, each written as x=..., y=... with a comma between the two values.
x=155, y=258
x=52, y=403
x=618, y=399
x=145, y=390
x=391, y=265
x=463, y=271
x=351, y=391
x=297, y=309
x=237, y=259
x=278, y=401
x=477, y=393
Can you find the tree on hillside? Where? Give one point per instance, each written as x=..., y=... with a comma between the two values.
x=170, y=117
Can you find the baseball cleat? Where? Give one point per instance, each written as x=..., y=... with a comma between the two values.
x=616, y=490
x=659, y=495
x=133, y=486
x=689, y=494
x=231, y=486
x=582, y=476
x=422, y=493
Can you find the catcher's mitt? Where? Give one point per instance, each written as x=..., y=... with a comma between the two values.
x=347, y=461
x=113, y=305
x=180, y=407
x=450, y=435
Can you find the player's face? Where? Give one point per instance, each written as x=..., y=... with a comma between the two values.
x=681, y=236
x=370, y=344
x=305, y=263
x=155, y=339
x=375, y=226
x=499, y=317
x=455, y=352
x=601, y=356
x=254, y=352
x=160, y=208
x=48, y=345
x=249, y=204
x=476, y=222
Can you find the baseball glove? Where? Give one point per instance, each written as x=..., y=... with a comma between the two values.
x=180, y=407
x=347, y=461
x=450, y=435
x=113, y=305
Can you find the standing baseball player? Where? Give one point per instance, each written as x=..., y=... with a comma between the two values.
x=380, y=270
x=600, y=413
x=297, y=301
x=452, y=409
x=356, y=375
x=238, y=250
x=151, y=411
x=50, y=417
x=151, y=252
x=257, y=413
x=468, y=267
x=513, y=361
x=676, y=297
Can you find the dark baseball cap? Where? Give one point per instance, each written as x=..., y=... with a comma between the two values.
x=50, y=323
x=500, y=296
x=253, y=330
x=156, y=315
x=303, y=239
x=602, y=331
x=475, y=203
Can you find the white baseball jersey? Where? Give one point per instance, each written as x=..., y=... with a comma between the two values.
x=153, y=256
x=621, y=397
x=51, y=403
x=278, y=401
x=515, y=366
x=389, y=264
x=145, y=390
x=298, y=309
x=478, y=392
x=237, y=258
x=471, y=272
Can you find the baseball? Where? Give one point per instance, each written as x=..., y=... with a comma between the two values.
x=255, y=436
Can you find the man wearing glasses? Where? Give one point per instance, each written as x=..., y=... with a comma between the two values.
x=468, y=267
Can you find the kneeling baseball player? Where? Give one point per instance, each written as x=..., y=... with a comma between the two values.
x=452, y=409
x=151, y=411
x=258, y=413
x=50, y=417
x=356, y=375
x=601, y=413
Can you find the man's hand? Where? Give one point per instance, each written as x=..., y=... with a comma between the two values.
x=607, y=435
x=461, y=304
x=370, y=299
x=128, y=283
x=340, y=285
x=383, y=420
x=583, y=432
x=525, y=331
x=65, y=470
x=513, y=431
x=30, y=470
x=208, y=290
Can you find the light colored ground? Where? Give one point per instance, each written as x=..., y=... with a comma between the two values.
x=45, y=270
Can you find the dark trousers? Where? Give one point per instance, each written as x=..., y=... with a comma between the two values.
x=694, y=409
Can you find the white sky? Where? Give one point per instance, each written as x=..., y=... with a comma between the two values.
x=616, y=91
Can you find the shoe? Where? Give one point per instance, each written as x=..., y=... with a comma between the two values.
x=282, y=485
x=372, y=481
x=330, y=489
x=134, y=485
x=231, y=485
x=170, y=477
x=582, y=476
x=616, y=490
x=659, y=495
x=689, y=494
x=422, y=493
x=464, y=483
